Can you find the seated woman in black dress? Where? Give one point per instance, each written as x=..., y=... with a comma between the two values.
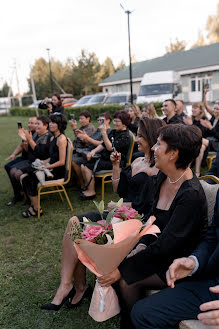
x=135, y=183
x=119, y=139
x=180, y=209
x=57, y=156
x=140, y=177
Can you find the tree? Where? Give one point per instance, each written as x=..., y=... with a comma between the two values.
x=120, y=66
x=176, y=46
x=107, y=68
x=86, y=73
x=4, y=90
x=213, y=27
x=200, y=41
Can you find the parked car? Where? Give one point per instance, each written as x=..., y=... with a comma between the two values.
x=68, y=102
x=99, y=98
x=120, y=98
x=63, y=96
x=83, y=101
x=35, y=104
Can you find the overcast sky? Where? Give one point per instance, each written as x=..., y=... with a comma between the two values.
x=100, y=26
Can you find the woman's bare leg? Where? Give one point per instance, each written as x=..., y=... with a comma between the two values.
x=68, y=268
x=86, y=173
x=77, y=170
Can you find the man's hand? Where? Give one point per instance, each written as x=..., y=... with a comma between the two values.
x=108, y=279
x=180, y=268
x=188, y=121
x=21, y=133
x=28, y=135
x=11, y=157
x=212, y=317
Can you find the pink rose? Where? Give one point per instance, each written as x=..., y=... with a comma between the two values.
x=103, y=223
x=126, y=213
x=91, y=232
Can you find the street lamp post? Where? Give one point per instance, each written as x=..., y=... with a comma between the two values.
x=50, y=71
x=128, y=12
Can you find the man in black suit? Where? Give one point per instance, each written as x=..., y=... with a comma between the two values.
x=214, y=170
x=200, y=291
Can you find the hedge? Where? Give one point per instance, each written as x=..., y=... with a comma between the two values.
x=95, y=110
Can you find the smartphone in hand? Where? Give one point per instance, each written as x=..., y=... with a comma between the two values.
x=72, y=116
x=19, y=125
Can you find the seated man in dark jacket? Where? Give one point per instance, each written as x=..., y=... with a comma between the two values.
x=166, y=308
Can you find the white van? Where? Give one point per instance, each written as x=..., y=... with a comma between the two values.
x=158, y=86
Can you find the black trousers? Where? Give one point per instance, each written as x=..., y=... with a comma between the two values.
x=15, y=184
x=170, y=306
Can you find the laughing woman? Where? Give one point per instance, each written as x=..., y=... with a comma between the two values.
x=180, y=209
x=57, y=152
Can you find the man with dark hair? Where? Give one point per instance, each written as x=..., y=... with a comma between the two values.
x=169, y=109
x=179, y=109
x=18, y=192
x=185, y=300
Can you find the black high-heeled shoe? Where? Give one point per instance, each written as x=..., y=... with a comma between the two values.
x=87, y=294
x=54, y=307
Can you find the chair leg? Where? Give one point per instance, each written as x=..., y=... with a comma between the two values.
x=102, y=190
x=67, y=198
x=38, y=210
x=60, y=194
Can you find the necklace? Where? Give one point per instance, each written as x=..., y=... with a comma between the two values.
x=173, y=182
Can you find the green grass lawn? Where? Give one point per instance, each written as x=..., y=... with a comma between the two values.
x=30, y=252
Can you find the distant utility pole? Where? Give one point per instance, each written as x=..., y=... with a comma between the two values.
x=18, y=86
x=50, y=72
x=128, y=12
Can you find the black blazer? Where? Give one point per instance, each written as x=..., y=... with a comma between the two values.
x=214, y=170
x=207, y=251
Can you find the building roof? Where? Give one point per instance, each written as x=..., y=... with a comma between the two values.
x=177, y=61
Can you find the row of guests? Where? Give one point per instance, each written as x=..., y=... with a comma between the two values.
x=173, y=195
x=44, y=141
x=209, y=128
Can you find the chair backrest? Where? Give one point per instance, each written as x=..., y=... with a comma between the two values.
x=210, y=193
x=131, y=148
x=68, y=160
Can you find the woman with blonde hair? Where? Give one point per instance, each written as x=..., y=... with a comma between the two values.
x=135, y=116
x=197, y=118
x=148, y=111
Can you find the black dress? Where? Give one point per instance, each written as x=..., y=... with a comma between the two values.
x=121, y=143
x=182, y=227
x=137, y=189
x=30, y=182
x=41, y=151
x=58, y=172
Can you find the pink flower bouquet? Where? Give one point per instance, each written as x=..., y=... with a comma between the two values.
x=103, y=259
